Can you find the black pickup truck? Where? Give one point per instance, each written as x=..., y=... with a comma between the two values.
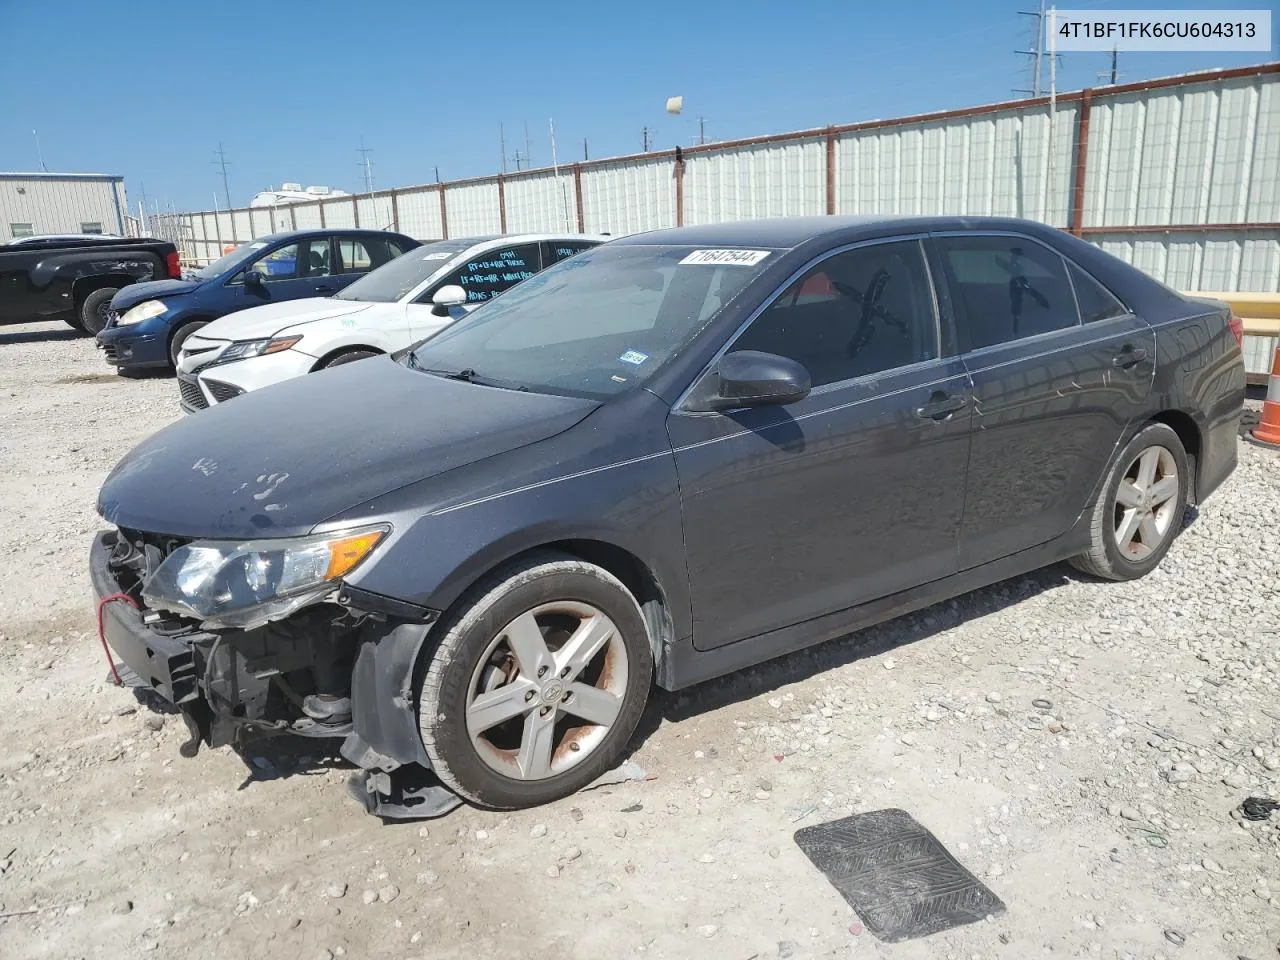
x=74, y=280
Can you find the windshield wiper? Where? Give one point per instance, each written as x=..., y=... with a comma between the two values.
x=466, y=375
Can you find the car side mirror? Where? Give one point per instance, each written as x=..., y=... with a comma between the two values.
x=750, y=378
x=450, y=295
x=252, y=278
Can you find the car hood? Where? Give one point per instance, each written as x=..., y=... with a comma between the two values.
x=274, y=463
x=136, y=293
x=269, y=319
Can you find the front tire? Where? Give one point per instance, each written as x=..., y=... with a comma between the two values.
x=537, y=684
x=180, y=337
x=94, y=310
x=1140, y=507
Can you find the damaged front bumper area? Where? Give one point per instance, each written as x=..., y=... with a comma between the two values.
x=235, y=686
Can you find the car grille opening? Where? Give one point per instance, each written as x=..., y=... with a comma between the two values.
x=192, y=395
x=111, y=352
x=222, y=391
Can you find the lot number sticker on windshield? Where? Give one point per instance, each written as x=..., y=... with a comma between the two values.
x=737, y=258
x=634, y=356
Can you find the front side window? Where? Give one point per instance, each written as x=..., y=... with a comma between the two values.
x=17, y=230
x=279, y=264
x=1096, y=301
x=860, y=312
x=594, y=325
x=487, y=274
x=1006, y=288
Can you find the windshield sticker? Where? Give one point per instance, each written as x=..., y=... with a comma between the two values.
x=634, y=356
x=438, y=255
x=737, y=258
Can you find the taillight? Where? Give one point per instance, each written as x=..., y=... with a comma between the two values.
x=174, y=264
x=1237, y=329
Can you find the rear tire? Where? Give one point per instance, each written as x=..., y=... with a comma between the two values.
x=180, y=337
x=1140, y=508
x=537, y=684
x=94, y=310
x=351, y=356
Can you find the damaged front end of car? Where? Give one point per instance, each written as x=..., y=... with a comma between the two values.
x=258, y=638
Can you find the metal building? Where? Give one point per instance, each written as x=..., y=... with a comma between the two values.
x=39, y=203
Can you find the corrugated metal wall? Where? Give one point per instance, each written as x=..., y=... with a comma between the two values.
x=60, y=204
x=472, y=209
x=1183, y=153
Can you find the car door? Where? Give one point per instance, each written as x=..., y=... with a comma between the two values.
x=1052, y=394
x=853, y=493
x=485, y=274
x=291, y=271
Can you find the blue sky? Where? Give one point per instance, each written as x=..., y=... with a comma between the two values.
x=290, y=88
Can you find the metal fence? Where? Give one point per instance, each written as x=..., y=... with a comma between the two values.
x=1180, y=176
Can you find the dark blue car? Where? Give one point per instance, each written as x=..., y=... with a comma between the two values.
x=149, y=321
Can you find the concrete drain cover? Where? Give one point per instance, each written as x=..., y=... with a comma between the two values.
x=899, y=879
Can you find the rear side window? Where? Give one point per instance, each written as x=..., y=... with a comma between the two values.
x=553, y=251
x=1006, y=288
x=1096, y=301
x=860, y=312
x=355, y=255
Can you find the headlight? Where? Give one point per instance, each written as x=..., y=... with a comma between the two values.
x=245, y=584
x=243, y=349
x=143, y=311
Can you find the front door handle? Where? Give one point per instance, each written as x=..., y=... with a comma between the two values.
x=941, y=406
x=1129, y=356
x=323, y=288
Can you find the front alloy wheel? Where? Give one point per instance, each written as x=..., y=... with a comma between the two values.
x=537, y=682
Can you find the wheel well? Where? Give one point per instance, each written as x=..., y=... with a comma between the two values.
x=80, y=289
x=635, y=576
x=173, y=331
x=1185, y=427
x=334, y=354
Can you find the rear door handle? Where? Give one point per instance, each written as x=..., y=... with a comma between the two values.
x=1129, y=356
x=941, y=406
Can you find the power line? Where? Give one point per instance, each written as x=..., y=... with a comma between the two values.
x=222, y=163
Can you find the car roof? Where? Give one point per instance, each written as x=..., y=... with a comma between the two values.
x=526, y=238
x=789, y=232
x=323, y=231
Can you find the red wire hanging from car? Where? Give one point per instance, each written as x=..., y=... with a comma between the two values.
x=102, y=637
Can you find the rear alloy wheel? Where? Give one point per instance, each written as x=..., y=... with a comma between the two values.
x=1140, y=508
x=95, y=310
x=539, y=707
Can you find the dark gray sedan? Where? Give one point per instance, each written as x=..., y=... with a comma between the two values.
x=663, y=459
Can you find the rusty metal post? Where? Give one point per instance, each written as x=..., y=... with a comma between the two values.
x=679, y=187
x=831, y=170
x=320, y=207
x=577, y=194
x=395, y=210
x=502, y=204
x=1082, y=162
x=444, y=213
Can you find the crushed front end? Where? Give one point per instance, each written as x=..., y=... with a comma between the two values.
x=326, y=662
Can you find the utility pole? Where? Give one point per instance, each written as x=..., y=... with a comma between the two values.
x=39, y=152
x=584, y=149
x=502, y=140
x=645, y=133
x=702, y=130
x=528, y=153
x=222, y=163
x=1102, y=74
x=367, y=165
x=1037, y=51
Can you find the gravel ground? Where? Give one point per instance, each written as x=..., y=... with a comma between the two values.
x=1104, y=821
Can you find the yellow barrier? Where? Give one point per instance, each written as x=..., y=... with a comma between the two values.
x=1259, y=312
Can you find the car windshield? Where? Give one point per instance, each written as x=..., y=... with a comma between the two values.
x=230, y=261
x=392, y=281
x=594, y=325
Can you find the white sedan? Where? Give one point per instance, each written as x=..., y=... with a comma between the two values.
x=404, y=301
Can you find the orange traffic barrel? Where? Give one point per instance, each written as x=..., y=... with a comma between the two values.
x=1268, y=429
